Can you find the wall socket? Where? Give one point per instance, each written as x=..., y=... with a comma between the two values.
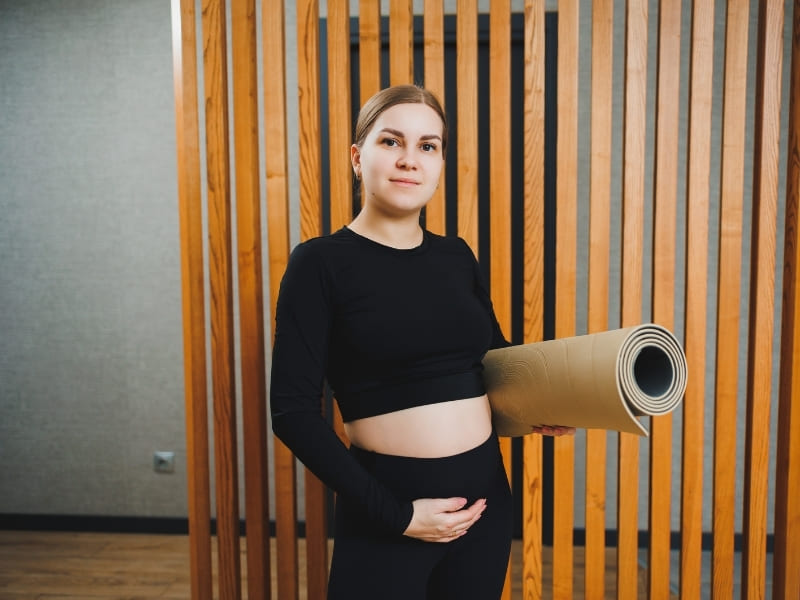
x=164, y=462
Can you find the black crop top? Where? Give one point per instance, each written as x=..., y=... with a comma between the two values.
x=389, y=329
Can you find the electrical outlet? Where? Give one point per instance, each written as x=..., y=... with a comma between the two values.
x=164, y=462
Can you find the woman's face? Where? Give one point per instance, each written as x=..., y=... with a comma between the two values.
x=401, y=159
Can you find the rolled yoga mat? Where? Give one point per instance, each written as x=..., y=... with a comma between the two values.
x=600, y=380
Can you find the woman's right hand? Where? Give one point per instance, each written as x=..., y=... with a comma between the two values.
x=443, y=519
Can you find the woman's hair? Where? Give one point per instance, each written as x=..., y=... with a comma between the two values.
x=388, y=97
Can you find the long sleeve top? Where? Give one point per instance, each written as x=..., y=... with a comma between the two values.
x=388, y=329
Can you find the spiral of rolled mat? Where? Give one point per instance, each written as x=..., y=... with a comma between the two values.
x=602, y=380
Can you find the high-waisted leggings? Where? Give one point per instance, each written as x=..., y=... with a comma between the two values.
x=370, y=564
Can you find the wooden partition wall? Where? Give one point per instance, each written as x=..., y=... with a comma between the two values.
x=670, y=228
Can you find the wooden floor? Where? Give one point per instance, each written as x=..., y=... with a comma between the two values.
x=88, y=566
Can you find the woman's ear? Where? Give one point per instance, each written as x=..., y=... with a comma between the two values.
x=355, y=159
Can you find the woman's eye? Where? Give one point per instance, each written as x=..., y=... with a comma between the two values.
x=427, y=147
x=391, y=142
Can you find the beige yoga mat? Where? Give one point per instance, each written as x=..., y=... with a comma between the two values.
x=601, y=380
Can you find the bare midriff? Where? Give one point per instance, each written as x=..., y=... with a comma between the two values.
x=429, y=431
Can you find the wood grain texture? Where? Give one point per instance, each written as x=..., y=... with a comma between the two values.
x=251, y=302
x=401, y=42
x=277, y=188
x=287, y=548
x=599, y=271
x=533, y=284
x=698, y=163
x=500, y=184
x=785, y=575
x=369, y=48
x=566, y=292
x=221, y=285
x=467, y=110
x=631, y=285
x=766, y=150
x=187, y=141
x=664, y=258
x=729, y=295
x=340, y=128
x=111, y=566
x=308, y=84
x=308, y=109
x=433, y=25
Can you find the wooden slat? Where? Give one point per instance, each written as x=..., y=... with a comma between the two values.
x=369, y=48
x=277, y=187
x=220, y=280
x=565, y=294
x=762, y=298
x=533, y=284
x=786, y=577
x=697, y=227
x=187, y=141
x=251, y=303
x=311, y=226
x=632, y=249
x=599, y=271
x=729, y=295
x=467, y=110
x=401, y=42
x=500, y=184
x=433, y=24
x=339, y=131
x=664, y=255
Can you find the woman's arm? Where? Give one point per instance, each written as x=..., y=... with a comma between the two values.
x=299, y=362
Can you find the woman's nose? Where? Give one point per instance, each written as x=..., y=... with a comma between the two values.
x=407, y=160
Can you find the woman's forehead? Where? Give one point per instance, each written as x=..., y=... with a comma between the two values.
x=410, y=120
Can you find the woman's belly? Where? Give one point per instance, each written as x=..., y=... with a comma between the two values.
x=430, y=431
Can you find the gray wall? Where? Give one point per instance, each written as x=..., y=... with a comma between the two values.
x=91, y=375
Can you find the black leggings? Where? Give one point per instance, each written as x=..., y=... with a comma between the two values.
x=369, y=563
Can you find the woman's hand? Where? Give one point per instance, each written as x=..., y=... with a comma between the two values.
x=443, y=519
x=554, y=430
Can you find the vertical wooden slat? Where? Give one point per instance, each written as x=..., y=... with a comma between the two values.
x=401, y=42
x=599, y=270
x=277, y=188
x=500, y=182
x=566, y=263
x=533, y=284
x=786, y=575
x=664, y=254
x=369, y=48
x=187, y=141
x=631, y=301
x=311, y=226
x=729, y=295
x=467, y=110
x=251, y=304
x=697, y=206
x=339, y=132
x=220, y=279
x=433, y=24
x=762, y=290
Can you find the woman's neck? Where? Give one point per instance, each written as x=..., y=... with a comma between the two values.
x=397, y=233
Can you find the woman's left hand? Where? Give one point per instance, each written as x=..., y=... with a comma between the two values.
x=554, y=430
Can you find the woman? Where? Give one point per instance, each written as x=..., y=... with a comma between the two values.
x=397, y=320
